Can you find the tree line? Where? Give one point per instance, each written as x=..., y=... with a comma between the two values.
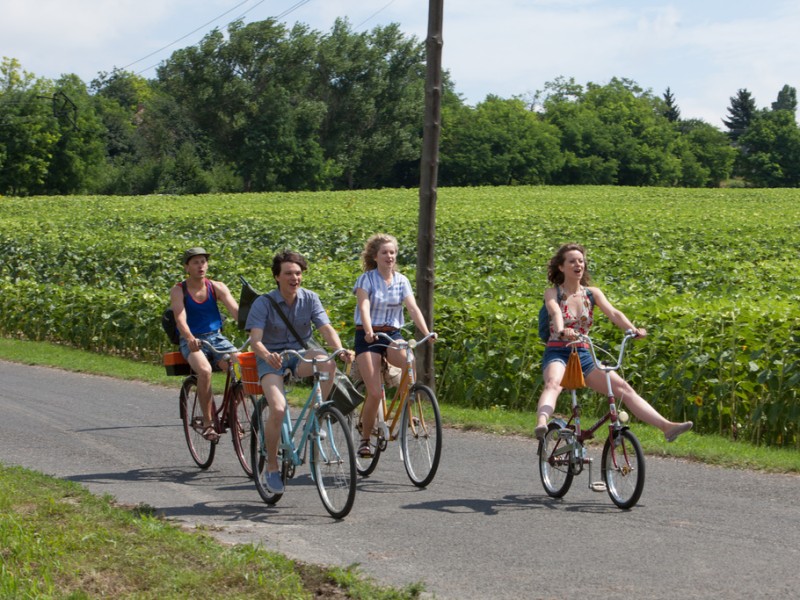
x=266, y=107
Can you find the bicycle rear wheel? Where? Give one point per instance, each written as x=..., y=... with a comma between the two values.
x=201, y=449
x=333, y=462
x=240, y=418
x=554, y=470
x=258, y=453
x=421, y=435
x=364, y=466
x=623, y=468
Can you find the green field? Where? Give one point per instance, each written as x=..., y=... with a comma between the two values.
x=710, y=273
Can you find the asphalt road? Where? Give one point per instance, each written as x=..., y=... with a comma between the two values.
x=483, y=529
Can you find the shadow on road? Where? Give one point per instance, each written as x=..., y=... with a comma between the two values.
x=510, y=502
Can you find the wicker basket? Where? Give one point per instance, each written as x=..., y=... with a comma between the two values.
x=247, y=360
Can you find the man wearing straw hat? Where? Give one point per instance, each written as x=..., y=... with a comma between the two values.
x=197, y=316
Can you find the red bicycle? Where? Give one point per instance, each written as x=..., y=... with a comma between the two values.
x=562, y=453
x=233, y=414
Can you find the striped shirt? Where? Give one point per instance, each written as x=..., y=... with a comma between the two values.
x=385, y=302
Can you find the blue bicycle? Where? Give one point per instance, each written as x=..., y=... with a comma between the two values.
x=320, y=434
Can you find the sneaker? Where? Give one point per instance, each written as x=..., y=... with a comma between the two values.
x=365, y=449
x=540, y=432
x=274, y=483
x=680, y=428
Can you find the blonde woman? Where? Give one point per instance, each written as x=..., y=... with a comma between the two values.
x=381, y=294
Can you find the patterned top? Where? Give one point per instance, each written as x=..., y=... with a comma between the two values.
x=581, y=322
x=385, y=302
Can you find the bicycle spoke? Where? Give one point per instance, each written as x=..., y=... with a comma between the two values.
x=333, y=462
x=623, y=468
x=421, y=435
x=201, y=449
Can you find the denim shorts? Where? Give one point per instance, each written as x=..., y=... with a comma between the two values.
x=289, y=362
x=378, y=346
x=216, y=339
x=561, y=354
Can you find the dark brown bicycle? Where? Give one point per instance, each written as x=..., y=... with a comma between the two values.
x=234, y=413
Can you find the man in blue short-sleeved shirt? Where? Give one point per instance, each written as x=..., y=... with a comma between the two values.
x=269, y=336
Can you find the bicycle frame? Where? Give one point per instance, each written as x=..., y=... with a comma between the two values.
x=407, y=382
x=612, y=416
x=562, y=453
x=295, y=437
x=296, y=447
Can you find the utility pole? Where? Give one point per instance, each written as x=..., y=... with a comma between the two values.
x=429, y=171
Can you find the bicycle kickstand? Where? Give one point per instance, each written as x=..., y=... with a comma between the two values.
x=595, y=486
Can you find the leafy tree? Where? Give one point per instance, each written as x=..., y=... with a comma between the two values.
x=372, y=86
x=250, y=95
x=614, y=134
x=706, y=155
x=28, y=130
x=671, y=110
x=740, y=114
x=787, y=99
x=771, y=150
x=78, y=157
x=499, y=142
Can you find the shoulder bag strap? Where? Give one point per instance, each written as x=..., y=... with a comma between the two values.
x=285, y=320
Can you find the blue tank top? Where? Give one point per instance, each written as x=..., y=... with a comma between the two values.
x=203, y=317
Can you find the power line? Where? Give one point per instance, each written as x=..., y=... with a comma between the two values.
x=375, y=14
x=288, y=11
x=187, y=35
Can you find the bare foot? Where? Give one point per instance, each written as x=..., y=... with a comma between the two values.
x=673, y=432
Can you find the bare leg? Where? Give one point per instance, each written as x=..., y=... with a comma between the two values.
x=202, y=368
x=272, y=385
x=329, y=367
x=640, y=407
x=553, y=374
x=369, y=366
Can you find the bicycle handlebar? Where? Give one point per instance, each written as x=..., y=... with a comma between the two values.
x=316, y=358
x=223, y=353
x=629, y=335
x=401, y=344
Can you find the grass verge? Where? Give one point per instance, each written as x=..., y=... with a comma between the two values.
x=59, y=541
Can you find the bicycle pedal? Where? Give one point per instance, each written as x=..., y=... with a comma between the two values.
x=598, y=486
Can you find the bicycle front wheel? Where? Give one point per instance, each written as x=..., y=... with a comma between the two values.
x=258, y=453
x=333, y=462
x=554, y=467
x=623, y=468
x=201, y=449
x=240, y=419
x=421, y=435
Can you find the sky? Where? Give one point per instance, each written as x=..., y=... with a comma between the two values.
x=703, y=50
